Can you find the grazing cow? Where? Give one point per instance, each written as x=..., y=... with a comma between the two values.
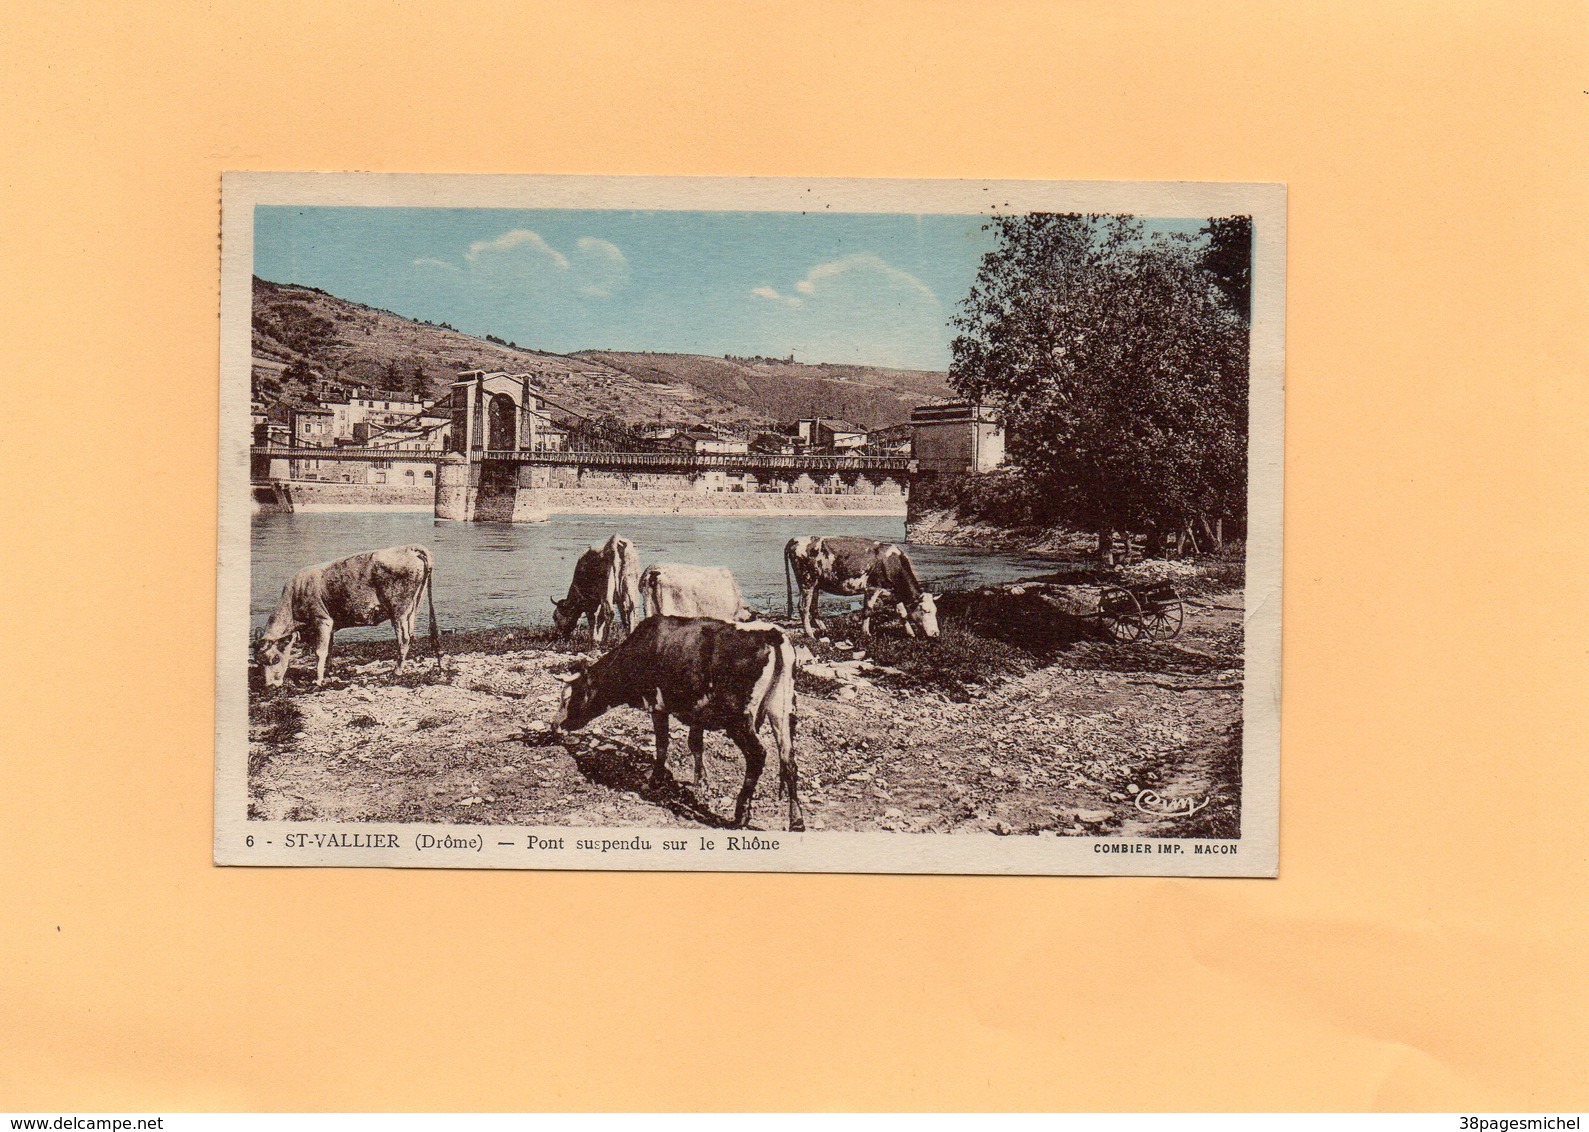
x=848, y=565
x=693, y=591
x=713, y=676
x=604, y=589
x=366, y=589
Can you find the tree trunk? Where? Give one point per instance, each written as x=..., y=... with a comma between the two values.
x=1219, y=534
x=1106, y=546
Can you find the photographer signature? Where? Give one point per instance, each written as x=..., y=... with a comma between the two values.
x=1154, y=803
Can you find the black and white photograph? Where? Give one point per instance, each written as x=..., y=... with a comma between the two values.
x=847, y=526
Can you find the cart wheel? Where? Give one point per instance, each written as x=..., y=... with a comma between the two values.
x=1162, y=620
x=1120, y=614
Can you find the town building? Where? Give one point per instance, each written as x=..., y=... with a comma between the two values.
x=823, y=436
x=894, y=440
x=957, y=438
x=774, y=444
x=312, y=427
x=704, y=441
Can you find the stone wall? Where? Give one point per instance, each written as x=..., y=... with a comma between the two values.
x=533, y=504
x=309, y=495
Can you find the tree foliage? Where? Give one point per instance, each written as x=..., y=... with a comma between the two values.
x=1120, y=366
x=1228, y=260
x=295, y=326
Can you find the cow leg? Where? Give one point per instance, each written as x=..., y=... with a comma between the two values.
x=322, y=648
x=659, y=767
x=808, y=611
x=788, y=773
x=698, y=749
x=874, y=598
x=406, y=645
x=744, y=737
x=403, y=626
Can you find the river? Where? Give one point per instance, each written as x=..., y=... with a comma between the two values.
x=494, y=574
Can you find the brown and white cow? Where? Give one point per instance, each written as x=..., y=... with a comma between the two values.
x=365, y=589
x=848, y=565
x=713, y=676
x=672, y=590
x=605, y=589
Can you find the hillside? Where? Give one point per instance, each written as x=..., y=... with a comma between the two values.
x=867, y=395
x=354, y=344
x=318, y=335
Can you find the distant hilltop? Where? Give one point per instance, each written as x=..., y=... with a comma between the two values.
x=316, y=338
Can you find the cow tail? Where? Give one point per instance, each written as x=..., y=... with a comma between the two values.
x=788, y=576
x=783, y=661
x=430, y=600
x=777, y=674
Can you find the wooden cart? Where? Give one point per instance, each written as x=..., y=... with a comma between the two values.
x=1151, y=612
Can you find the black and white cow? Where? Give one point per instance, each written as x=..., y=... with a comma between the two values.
x=366, y=589
x=713, y=676
x=848, y=565
x=605, y=589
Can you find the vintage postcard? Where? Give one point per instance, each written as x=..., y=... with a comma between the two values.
x=750, y=524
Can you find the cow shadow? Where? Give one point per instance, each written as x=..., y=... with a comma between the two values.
x=626, y=768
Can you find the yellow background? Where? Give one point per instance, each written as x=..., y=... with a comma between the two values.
x=1425, y=944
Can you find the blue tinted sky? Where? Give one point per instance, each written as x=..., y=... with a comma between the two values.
x=873, y=289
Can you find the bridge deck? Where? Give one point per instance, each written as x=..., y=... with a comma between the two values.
x=662, y=461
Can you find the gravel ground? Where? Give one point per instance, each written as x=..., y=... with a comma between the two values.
x=969, y=734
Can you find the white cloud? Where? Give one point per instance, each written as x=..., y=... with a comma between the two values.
x=517, y=238
x=600, y=265
x=522, y=260
x=769, y=293
x=603, y=248
x=861, y=262
x=858, y=308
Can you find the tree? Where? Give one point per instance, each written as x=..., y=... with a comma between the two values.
x=1228, y=259
x=300, y=372
x=1120, y=367
x=417, y=384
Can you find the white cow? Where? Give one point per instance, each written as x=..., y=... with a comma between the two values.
x=366, y=589
x=693, y=591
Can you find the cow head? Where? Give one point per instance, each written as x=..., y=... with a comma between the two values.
x=274, y=655
x=564, y=615
x=576, y=706
x=923, y=616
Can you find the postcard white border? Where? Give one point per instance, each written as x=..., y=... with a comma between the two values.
x=239, y=841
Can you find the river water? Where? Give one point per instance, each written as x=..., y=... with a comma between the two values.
x=494, y=574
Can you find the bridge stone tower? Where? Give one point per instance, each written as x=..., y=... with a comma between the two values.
x=498, y=412
x=492, y=412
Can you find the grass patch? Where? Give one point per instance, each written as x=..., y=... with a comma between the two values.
x=960, y=660
x=469, y=641
x=276, y=717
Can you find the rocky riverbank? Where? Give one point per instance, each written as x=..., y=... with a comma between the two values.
x=947, y=527
x=1020, y=719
